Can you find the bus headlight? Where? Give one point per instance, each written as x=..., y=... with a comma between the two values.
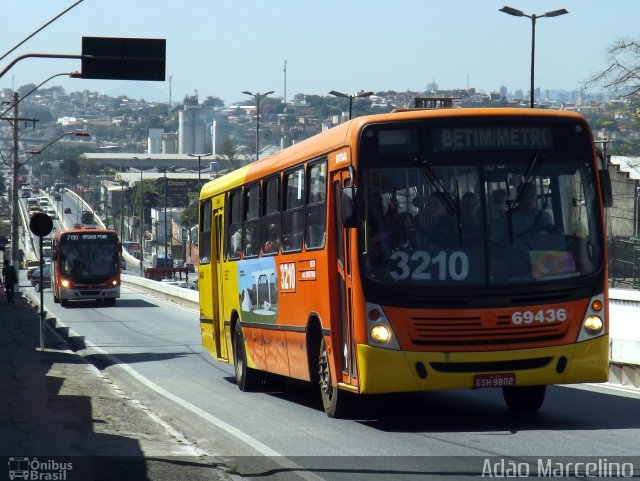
x=66, y=283
x=380, y=333
x=594, y=321
x=593, y=324
x=114, y=282
x=379, y=329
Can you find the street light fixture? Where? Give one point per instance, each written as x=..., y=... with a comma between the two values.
x=141, y=218
x=200, y=168
x=519, y=13
x=351, y=97
x=257, y=97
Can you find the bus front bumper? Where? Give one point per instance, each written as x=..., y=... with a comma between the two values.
x=389, y=371
x=77, y=294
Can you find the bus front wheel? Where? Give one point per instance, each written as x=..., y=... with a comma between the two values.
x=335, y=401
x=247, y=379
x=524, y=399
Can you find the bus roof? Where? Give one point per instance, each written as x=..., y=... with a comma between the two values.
x=347, y=134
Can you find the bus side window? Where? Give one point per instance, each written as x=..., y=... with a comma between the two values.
x=204, y=234
x=251, y=238
x=271, y=216
x=234, y=232
x=292, y=216
x=316, y=226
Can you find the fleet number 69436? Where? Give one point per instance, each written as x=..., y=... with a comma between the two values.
x=542, y=315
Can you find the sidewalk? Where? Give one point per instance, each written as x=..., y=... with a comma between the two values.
x=57, y=408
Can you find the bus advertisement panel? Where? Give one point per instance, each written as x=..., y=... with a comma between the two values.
x=412, y=251
x=86, y=265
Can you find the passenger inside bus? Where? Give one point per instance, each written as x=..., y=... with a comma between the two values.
x=251, y=240
x=528, y=219
x=470, y=220
x=442, y=232
x=376, y=230
x=236, y=242
x=272, y=243
x=405, y=232
x=497, y=214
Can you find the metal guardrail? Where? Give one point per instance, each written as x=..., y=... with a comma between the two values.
x=624, y=262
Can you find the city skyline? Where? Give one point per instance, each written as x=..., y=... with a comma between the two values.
x=217, y=50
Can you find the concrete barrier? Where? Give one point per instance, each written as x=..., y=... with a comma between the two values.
x=184, y=297
x=624, y=328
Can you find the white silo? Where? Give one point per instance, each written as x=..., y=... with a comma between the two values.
x=154, y=143
x=170, y=143
x=191, y=127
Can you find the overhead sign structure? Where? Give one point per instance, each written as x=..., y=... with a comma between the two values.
x=177, y=187
x=115, y=58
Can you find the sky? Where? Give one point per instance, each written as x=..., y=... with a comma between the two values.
x=222, y=48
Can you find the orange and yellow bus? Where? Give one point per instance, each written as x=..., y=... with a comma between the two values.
x=412, y=251
x=86, y=265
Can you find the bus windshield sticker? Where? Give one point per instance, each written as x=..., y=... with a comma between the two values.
x=492, y=138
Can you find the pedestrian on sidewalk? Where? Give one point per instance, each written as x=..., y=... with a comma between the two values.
x=9, y=279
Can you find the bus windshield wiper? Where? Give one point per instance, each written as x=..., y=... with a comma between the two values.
x=436, y=183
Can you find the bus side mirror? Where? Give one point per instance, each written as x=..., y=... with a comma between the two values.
x=607, y=190
x=605, y=178
x=348, y=207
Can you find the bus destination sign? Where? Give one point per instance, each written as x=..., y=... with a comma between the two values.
x=492, y=138
x=88, y=238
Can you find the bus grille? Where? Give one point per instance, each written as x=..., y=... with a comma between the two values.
x=474, y=331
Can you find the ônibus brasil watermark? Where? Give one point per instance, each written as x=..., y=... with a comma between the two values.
x=34, y=469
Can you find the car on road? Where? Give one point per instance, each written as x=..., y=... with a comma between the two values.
x=46, y=277
x=30, y=266
x=77, y=226
x=67, y=210
x=51, y=212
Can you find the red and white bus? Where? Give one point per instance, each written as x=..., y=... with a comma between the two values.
x=413, y=251
x=86, y=265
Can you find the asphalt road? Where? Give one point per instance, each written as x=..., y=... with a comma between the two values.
x=151, y=349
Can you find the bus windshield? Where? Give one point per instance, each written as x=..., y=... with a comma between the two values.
x=91, y=262
x=492, y=219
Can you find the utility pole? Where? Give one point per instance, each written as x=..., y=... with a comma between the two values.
x=15, y=168
x=285, y=82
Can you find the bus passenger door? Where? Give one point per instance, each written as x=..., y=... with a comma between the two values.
x=218, y=284
x=345, y=342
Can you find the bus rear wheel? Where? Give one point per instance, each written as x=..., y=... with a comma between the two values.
x=524, y=399
x=247, y=379
x=335, y=401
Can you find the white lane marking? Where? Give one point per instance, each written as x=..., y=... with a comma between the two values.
x=261, y=448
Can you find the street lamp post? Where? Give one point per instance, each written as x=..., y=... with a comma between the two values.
x=164, y=193
x=351, y=97
x=199, y=167
x=166, y=237
x=519, y=13
x=257, y=96
x=141, y=218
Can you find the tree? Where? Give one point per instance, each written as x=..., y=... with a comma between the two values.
x=623, y=72
x=230, y=150
x=70, y=168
